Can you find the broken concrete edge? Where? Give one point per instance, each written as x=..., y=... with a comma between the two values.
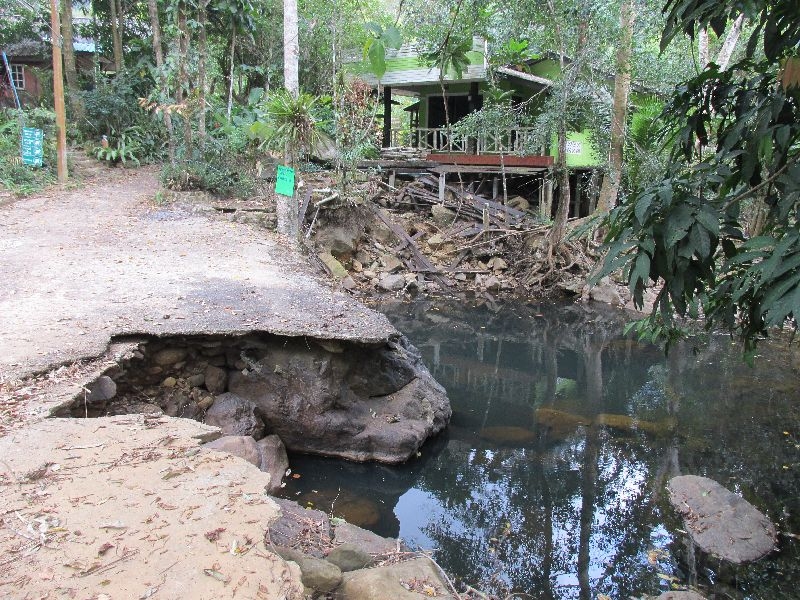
x=377, y=337
x=421, y=401
x=122, y=346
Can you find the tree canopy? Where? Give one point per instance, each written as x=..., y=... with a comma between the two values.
x=720, y=232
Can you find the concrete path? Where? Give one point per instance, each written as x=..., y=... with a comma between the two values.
x=81, y=266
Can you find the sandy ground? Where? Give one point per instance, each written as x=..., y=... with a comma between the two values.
x=129, y=507
x=83, y=265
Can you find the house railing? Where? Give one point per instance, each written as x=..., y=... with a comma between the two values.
x=517, y=140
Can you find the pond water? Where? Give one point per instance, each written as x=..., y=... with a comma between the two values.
x=550, y=479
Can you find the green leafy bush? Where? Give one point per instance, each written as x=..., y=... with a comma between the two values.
x=123, y=150
x=217, y=166
x=15, y=176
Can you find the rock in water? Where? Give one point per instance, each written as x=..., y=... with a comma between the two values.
x=366, y=403
x=273, y=460
x=681, y=595
x=720, y=522
x=508, y=436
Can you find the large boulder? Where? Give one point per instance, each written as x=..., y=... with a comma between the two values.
x=267, y=454
x=273, y=460
x=364, y=403
x=242, y=446
x=349, y=534
x=317, y=574
x=299, y=527
x=721, y=522
x=235, y=416
x=349, y=557
x=409, y=580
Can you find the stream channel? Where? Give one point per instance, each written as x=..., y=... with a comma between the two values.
x=550, y=480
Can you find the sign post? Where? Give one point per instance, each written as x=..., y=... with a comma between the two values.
x=32, y=147
x=284, y=181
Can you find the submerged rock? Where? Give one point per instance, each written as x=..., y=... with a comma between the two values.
x=366, y=403
x=721, y=522
x=626, y=423
x=508, y=436
x=559, y=420
x=681, y=595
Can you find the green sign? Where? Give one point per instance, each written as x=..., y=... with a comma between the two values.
x=32, y=146
x=284, y=181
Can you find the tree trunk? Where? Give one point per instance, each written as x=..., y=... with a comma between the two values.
x=571, y=72
x=158, y=51
x=68, y=50
x=724, y=56
x=121, y=30
x=609, y=190
x=183, y=75
x=702, y=48
x=557, y=231
x=230, y=71
x=202, y=44
x=115, y=36
x=285, y=206
x=291, y=50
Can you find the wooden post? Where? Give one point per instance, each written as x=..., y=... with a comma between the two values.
x=546, y=208
x=472, y=106
x=58, y=94
x=392, y=177
x=387, y=116
x=495, y=188
x=442, y=183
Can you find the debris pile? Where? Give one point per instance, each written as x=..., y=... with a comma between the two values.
x=411, y=239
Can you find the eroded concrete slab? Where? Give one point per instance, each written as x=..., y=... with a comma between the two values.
x=83, y=265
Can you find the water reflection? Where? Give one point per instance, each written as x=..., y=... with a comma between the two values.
x=550, y=479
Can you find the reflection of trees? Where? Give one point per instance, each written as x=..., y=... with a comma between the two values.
x=583, y=507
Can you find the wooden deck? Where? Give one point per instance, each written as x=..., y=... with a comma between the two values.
x=492, y=160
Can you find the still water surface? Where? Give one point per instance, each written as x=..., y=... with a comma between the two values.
x=550, y=479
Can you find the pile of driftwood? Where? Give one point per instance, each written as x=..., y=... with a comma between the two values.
x=466, y=205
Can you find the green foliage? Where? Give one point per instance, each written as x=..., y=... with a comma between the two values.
x=688, y=230
x=357, y=131
x=450, y=57
x=113, y=105
x=288, y=126
x=217, y=167
x=646, y=152
x=380, y=39
x=124, y=148
x=15, y=176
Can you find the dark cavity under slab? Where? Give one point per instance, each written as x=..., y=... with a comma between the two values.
x=337, y=398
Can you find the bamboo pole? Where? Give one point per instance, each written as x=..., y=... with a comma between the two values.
x=58, y=94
